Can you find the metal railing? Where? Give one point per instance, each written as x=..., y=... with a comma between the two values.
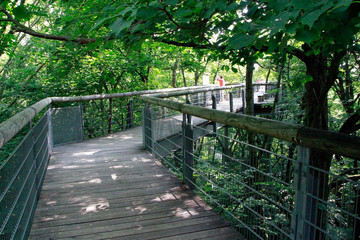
x=58, y=121
x=21, y=177
x=257, y=172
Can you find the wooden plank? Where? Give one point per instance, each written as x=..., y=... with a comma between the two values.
x=119, y=180
x=118, y=224
x=116, y=202
x=113, y=212
x=156, y=231
x=217, y=233
x=139, y=199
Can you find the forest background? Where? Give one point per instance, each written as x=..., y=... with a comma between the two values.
x=71, y=48
x=310, y=48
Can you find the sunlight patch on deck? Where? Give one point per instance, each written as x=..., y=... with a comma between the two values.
x=101, y=205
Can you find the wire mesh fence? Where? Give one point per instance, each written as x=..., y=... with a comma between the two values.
x=21, y=178
x=22, y=170
x=268, y=188
x=107, y=116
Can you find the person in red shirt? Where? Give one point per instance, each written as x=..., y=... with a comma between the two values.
x=221, y=81
x=221, y=84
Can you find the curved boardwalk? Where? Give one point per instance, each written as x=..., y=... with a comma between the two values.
x=109, y=188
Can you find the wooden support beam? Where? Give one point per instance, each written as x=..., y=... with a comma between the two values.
x=13, y=125
x=338, y=143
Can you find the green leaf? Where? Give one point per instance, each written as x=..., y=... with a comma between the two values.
x=221, y=5
x=99, y=23
x=305, y=35
x=278, y=5
x=119, y=25
x=302, y=4
x=181, y=13
x=4, y=3
x=109, y=9
x=225, y=67
x=21, y=12
x=146, y=12
x=273, y=43
x=171, y=2
x=311, y=17
x=278, y=23
x=241, y=40
x=232, y=7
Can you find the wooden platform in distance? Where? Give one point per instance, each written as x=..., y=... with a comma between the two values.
x=109, y=188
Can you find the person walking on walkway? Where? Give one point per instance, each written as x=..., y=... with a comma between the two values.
x=221, y=84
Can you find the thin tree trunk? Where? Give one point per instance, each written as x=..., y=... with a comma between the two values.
x=183, y=75
x=174, y=69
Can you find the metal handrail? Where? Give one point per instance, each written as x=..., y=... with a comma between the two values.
x=333, y=142
x=13, y=125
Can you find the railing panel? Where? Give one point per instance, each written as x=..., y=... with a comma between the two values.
x=21, y=175
x=66, y=125
x=42, y=148
x=264, y=184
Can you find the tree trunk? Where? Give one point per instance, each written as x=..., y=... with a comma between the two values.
x=197, y=75
x=316, y=116
x=174, y=69
x=183, y=75
x=278, y=84
x=216, y=73
x=250, y=110
x=249, y=88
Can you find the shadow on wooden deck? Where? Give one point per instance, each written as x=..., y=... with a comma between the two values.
x=109, y=188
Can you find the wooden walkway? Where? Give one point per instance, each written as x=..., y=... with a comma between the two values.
x=109, y=188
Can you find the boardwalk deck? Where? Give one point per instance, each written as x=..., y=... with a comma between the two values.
x=109, y=188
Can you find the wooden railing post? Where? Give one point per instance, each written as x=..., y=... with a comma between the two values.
x=147, y=128
x=243, y=101
x=50, y=130
x=205, y=99
x=81, y=121
x=130, y=114
x=226, y=150
x=213, y=98
x=163, y=112
x=231, y=100
x=299, y=231
x=188, y=149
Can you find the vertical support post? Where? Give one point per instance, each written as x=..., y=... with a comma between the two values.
x=130, y=114
x=50, y=131
x=195, y=99
x=81, y=121
x=356, y=233
x=231, y=100
x=188, y=149
x=33, y=157
x=225, y=155
x=205, y=98
x=243, y=101
x=213, y=98
x=299, y=231
x=163, y=112
x=147, y=127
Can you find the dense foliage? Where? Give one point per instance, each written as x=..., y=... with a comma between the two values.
x=310, y=48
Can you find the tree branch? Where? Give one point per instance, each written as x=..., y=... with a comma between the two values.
x=21, y=28
x=190, y=44
x=350, y=125
x=198, y=25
